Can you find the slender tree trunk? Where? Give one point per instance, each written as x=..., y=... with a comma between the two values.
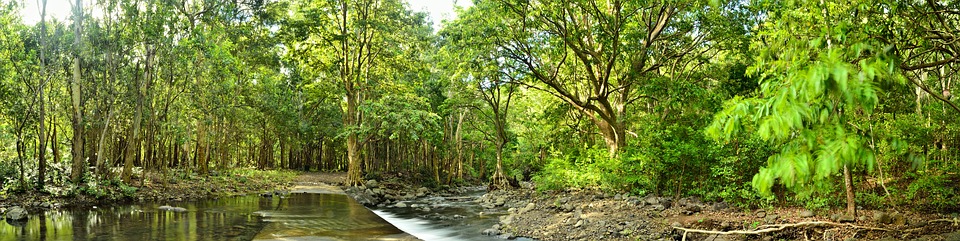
x=42, y=153
x=848, y=183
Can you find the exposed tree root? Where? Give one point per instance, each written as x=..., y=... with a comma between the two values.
x=778, y=227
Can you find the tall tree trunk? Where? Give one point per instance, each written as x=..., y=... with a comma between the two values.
x=354, y=169
x=42, y=146
x=134, y=137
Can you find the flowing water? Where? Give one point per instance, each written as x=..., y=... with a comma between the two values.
x=299, y=216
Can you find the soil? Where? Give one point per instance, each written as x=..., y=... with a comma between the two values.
x=593, y=215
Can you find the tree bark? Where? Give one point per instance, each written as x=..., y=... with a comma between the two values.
x=848, y=183
x=76, y=121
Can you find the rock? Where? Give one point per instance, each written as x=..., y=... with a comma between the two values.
x=372, y=184
x=676, y=224
x=165, y=208
x=652, y=200
x=506, y=220
x=720, y=206
x=530, y=206
x=46, y=205
x=16, y=213
x=490, y=232
x=500, y=201
x=415, y=205
x=692, y=208
x=898, y=218
x=658, y=207
x=882, y=217
x=760, y=213
x=425, y=209
x=806, y=214
x=846, y=218
x=422, y=191
x=618, y=197
x=578, y=224
x=507, y=236
x=178, y=209
x=771, y=219
x=400, y=205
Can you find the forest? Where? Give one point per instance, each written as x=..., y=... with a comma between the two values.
x=819, y=104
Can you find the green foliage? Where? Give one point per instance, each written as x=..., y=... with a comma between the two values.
x=595, y=168
x=813, y=93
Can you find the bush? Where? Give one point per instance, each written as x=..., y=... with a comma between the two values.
x=594, y=168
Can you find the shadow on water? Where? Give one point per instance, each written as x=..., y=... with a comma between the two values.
x=299, y=216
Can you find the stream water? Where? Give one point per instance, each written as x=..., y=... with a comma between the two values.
x=299, y=216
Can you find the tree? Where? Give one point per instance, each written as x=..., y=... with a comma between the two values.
x=76, y=120
x=475, y=61
x=348, y=41
x=596, y=55
x=817, y=82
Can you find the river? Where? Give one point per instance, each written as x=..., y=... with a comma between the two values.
x=298, y=216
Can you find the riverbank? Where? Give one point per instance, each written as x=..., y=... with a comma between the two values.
x=593, y=215
x=174, y=186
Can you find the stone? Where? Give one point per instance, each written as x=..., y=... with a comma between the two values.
x=898, y=219
x=618, y=197
x=490, y=232
x=692, y=208
x=578, y=224
x=400, y=205
x=165, y=208
x=760, y=213
x=771, y=219
x=178, y=209
x=676, y=224
x=422, y=191
x=882, y=217
x=507, y=236
x=720, y=206
x=652, y=200
x=658, y=207
x=372, y=184
x=16, y=213
x=500, y=201
x=806, y=214
x=530, y=206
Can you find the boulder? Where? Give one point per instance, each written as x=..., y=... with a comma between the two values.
x=400, y=205
x=16, y=213
x=372, y=184
x=806, y=214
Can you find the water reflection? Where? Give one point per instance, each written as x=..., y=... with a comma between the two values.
x=326, y=216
